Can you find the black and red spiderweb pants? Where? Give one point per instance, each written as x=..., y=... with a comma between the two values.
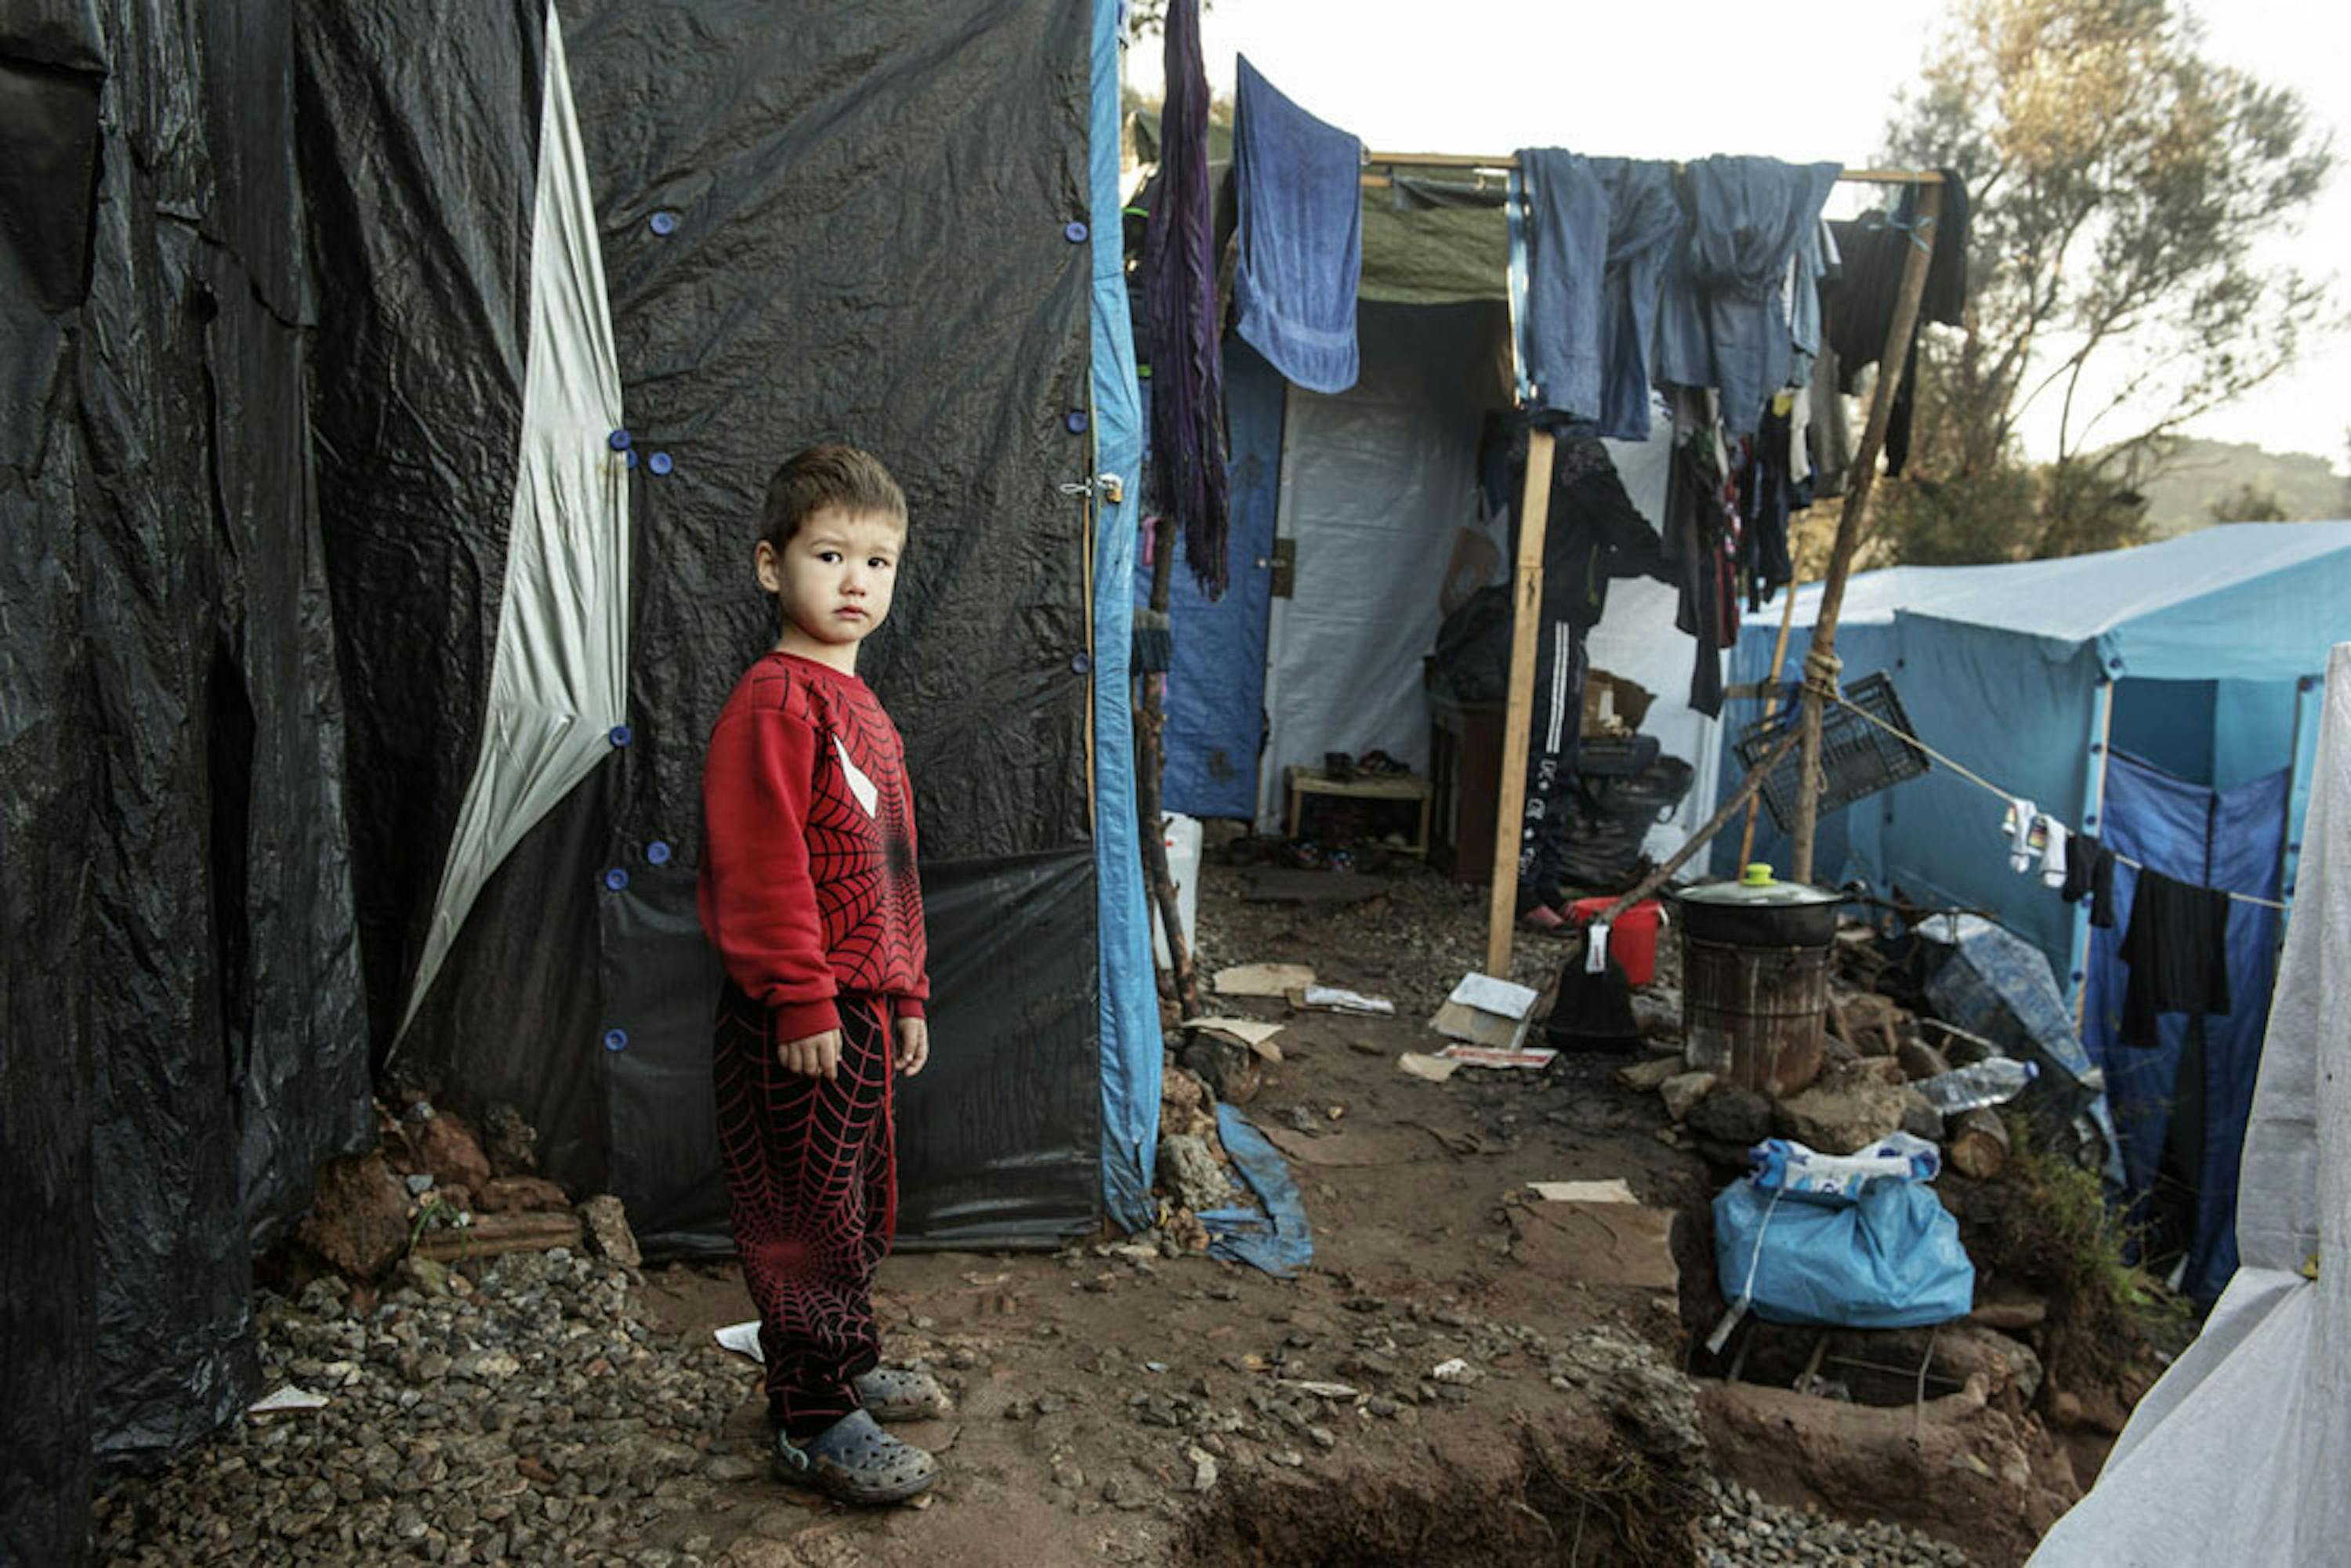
x=811, y=1176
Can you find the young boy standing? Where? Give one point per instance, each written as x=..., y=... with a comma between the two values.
x=809, y=890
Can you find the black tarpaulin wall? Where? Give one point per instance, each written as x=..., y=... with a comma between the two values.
x=178, y=975
x=873, y=244
x=871, y=228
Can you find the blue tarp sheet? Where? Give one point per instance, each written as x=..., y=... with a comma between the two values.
x=1130, y=1000
x=1279, y=1240
x=2231, y=838
x=1215, y=690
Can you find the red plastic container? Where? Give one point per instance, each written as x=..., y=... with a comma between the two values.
x=1632, y=939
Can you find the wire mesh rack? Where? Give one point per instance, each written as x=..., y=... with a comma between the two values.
x=1857, y=757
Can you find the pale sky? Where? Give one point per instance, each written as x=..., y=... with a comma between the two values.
x=1681, y=79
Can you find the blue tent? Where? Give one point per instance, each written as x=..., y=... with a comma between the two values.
x=2163, y=697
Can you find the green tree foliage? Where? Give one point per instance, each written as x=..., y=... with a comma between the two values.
x=2122, y=184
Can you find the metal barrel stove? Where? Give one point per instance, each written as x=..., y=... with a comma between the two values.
x=1755, y=980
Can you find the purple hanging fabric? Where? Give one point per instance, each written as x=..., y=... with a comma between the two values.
x=1179, y=257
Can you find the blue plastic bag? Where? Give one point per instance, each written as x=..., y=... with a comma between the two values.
x=1888, y=1258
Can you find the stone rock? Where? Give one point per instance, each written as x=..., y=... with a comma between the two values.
x=509, y=1140
x=516, y=1195
x=1920, y=1117
x=1645, y=1076
x=604, y=1227
x=1920, y=1060
x=1964, y=1350
x=1659, y=1017
x=358, y=1218
x=1683, y=1091
x=422, y=1275
x=1870, y=1023
x=1836, y=1052
x=444, y=1145
x=1732, y=1115
x=1842, y=1114
x=1186, y=1106
x=1190, y=1174
x=1233, y=1070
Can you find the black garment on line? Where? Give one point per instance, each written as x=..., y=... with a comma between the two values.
x=2090, y=873
x=1857, y=305
x=2177, y=951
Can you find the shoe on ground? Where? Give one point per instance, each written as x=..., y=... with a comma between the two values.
x=1542, y=917
x=901, y=1394
x=854, y=1461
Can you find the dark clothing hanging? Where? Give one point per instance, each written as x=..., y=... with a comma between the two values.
x=2178, y=950
x=1186, y=368
x=1701, y=543
x=1859, y=303
x=2090, y=873
x=1767, y=499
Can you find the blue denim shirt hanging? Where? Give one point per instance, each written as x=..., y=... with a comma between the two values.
x=1644, y=228
x=1567, y=255
x=1748, y=218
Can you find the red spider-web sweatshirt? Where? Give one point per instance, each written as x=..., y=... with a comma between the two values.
x=808, y=885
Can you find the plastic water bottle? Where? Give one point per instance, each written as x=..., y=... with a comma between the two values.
x=1994, y=1081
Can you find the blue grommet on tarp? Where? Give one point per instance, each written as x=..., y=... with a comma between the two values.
x=616, y=879
x=1075, y=422
x=660, y=462
x=620, y=734
x=616, y=1040
x=618, y=440
x=1075, y=232
x=662, y=223
x=632, y=458
x=657, y=852
x=1080, y=663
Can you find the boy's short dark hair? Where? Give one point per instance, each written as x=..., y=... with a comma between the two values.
x=822, y=476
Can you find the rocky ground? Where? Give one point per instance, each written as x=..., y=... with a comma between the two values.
x=1468, y=1376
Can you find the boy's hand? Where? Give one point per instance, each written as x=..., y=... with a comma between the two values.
x=913, y=1045
x=818, y=1056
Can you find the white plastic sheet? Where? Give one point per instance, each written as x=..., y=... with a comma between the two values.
x=558, y=680
x=2239, y=1455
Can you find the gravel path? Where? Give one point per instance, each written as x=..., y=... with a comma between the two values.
x=521, y=1417
x=1744, y=1531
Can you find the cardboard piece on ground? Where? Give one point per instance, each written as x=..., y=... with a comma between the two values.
x=1252, y=1033
x=1338, y=1000
x=1625, y=1244
x=1273, y=980
x=1615, y=1189
x=1487, y=1012
x=1489, y=1056
x=1417, y=1064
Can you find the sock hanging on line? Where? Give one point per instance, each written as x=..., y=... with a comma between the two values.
x=2053, y=852
x=2023, y=814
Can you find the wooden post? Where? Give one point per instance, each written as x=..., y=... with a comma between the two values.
x=1150, y=763
x=1820, y=662
x=1509, y=830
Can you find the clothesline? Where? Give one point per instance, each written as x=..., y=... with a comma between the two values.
x=1509, y=161
x=1980, y=782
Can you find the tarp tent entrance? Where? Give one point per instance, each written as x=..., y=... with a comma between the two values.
x=2163, y=698
x=2237, y=1456
x=1360, y=500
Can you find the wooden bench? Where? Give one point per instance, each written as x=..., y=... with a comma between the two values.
x=1303, y=781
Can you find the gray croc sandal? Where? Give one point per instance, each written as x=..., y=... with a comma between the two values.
x=901, y=1394
x=854, y=1461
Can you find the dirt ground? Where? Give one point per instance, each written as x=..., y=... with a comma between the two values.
x=1118, y=1405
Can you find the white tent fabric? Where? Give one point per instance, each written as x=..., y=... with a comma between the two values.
x=560, y=672
x=2241, y=1454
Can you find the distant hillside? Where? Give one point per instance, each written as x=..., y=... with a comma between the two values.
x=2204, y=473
